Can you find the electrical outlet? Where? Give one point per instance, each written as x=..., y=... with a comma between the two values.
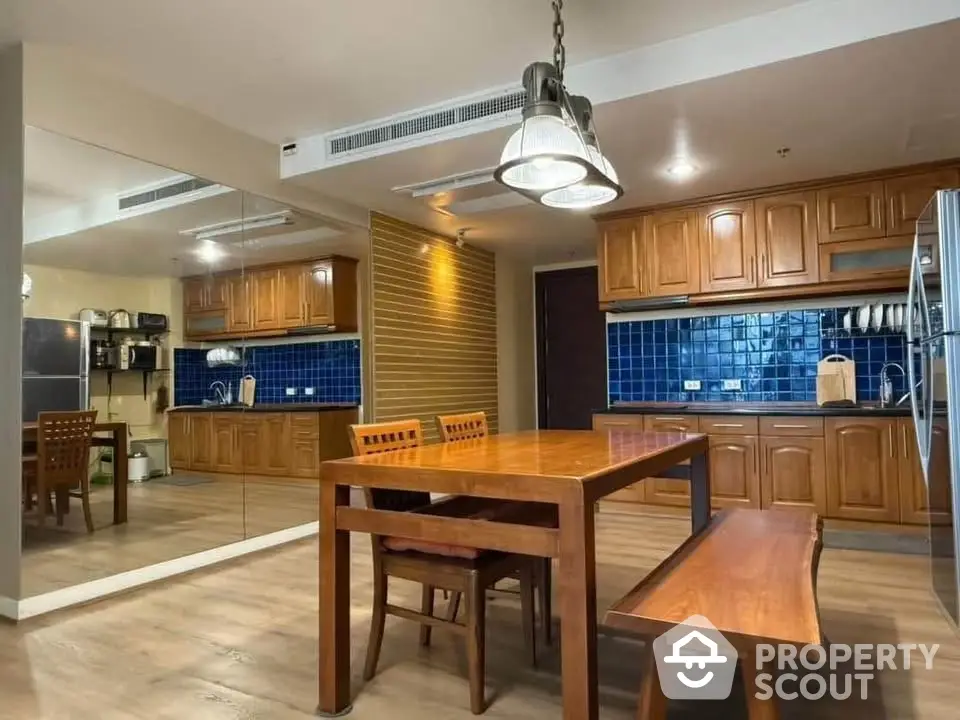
x=691, y=384
x=736, y=384
x=291, y=391
x=308, y=391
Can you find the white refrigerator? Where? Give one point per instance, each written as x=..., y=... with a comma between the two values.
x=933, y=365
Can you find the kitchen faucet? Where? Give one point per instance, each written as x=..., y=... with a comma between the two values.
x=219, y=391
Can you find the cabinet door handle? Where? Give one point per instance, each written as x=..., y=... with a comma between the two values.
x=906, y=446
x=727, y=425
x=892, y=443
x=753, y=269
x=763, y=267
x=788, y=426
x=669, y=419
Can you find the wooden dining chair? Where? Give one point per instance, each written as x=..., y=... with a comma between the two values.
x=61, y=464
x=459, y=569
x=471, y=426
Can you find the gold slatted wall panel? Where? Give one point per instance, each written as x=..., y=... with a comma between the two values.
x=434, y=340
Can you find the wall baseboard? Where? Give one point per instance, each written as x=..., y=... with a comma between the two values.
x=104, y=587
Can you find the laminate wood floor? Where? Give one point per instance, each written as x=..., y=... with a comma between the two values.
x=166, y=521
x=240, y=642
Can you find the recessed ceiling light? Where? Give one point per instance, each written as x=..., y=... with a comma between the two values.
x=209, y=251
x=681, y=169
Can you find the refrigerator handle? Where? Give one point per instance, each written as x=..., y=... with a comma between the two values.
x=918, y=428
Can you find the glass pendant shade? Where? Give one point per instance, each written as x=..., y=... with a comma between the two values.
x=543, y=154
x=588, y=193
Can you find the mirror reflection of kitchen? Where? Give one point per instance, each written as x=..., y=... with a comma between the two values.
x=214, y=336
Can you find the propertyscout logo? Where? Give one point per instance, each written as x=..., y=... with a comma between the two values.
x=695, y=662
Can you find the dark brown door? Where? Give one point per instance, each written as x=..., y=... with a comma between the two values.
x=571, y=349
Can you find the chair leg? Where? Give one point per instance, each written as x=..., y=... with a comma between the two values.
x=426, y=607
x=43, y=504
x=85, y=500
x=377, y=621
x=62, y=503
x=454, y=607
x=476, y=655
x=528, y=610
x=546, y=600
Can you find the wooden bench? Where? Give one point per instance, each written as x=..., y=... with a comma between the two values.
x=752, y=574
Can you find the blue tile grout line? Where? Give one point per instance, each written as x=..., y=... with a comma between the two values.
x=331, y=368
x=773, y=354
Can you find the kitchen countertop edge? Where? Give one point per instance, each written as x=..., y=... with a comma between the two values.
x=759, y=410
x=268, y=407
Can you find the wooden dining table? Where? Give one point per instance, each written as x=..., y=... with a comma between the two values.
x=571, y=469
x=115, y=439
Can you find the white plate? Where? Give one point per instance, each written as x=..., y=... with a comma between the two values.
x=892, y=317
x=877, y=323
x=863, y=318
x=900, y=313
x=848, y=321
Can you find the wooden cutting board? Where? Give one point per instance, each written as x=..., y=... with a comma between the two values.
x=836, y=380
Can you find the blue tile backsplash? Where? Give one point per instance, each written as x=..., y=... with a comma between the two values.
x=773, y=354
x=332, y=368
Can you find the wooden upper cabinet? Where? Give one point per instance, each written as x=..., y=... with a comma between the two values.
x=202, y=294
x=918, y=503
x=239, y=304
x=908, y=196
x=265, y=292
x=671, y=259
x=862, y=469
x=734, y=475
x=318, y=292
x=619, y=261
x=792, y=473
x=787, y=239
x=851, y=212
x=728, y=247
x=291, y=303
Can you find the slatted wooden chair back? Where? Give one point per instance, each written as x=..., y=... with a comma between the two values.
x=384, y=437
x=63, y=447
x=465, y=426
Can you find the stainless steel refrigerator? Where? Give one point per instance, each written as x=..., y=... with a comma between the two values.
x=933, y=365
x=56, y=366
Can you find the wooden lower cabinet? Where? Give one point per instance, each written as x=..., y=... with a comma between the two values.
x=917, y=505
x=664, y=491
x=225, y=456
x=201, y=442
x=178, y=437
x=862, y=469
x=634, y=493
x=792, y=473
x=734, y=474
x=273, y=444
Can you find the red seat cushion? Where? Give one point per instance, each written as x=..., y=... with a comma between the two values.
x=397, y=544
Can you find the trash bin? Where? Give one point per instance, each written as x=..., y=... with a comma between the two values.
x=139, y=466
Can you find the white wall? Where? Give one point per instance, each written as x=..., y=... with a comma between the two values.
x=11, y=260
x=516, y=357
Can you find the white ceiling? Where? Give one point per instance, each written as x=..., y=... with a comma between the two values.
x=842, y=111
x=74, y=181
x=726, y=82
x=285, y=68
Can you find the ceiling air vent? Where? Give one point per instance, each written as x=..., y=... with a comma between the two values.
x=163, y=193
x=422, y=122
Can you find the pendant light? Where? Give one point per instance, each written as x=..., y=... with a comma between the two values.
x=601, y=184
x=554, y=156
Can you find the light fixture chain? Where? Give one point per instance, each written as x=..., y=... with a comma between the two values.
x=559, y=51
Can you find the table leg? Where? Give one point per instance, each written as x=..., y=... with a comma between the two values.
x=756, y=709
x=700, y=492
x=120, y=469
x=578, y=610
x=334, y=570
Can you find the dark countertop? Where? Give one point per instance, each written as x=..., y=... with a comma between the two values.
x=772, y=409
x=266, y=407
